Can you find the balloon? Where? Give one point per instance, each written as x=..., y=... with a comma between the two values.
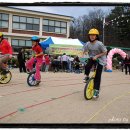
x=110, y=55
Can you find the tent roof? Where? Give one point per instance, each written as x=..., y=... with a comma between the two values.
x=61, y=41
x=65, y=41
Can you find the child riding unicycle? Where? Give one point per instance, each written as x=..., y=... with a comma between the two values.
x=5, y=56
x=96, y=50
x=36, y=59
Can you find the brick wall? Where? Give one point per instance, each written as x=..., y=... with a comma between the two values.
x=54, y=35
x=3, y=29
x=33, y=33
x=25, y=32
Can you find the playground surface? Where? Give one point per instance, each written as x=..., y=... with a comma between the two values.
x=60, y=99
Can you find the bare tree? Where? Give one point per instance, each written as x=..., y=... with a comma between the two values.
x=83, y=24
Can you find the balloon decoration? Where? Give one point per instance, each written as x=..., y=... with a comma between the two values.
x=110, y=55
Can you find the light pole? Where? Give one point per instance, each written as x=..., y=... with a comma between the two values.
x=103, y=28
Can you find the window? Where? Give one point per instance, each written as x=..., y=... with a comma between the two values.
x=29, y=27
x=45, y=22
x=22, y=26
x=63, y=30
x=5, y=17
x=23, y=19
x=57, y=30
x=0, y=23
x=14, y=42
x=21, y=43
x=15, y=25
x=54, y=26
x=16, y=18
x=25, y=23
x=63, y=24
x=36, y=21
x=35, y=27
x=4, y=24
x=57, y=24
x=6, y=38
x=28, y=43
x=51, y=29
x=4, y=20
x=29, y=20
x=45, y=28
x=51, y=23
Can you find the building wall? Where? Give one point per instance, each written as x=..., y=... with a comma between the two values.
x=26, y=34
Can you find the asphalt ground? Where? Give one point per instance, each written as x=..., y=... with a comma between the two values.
x=60, y=99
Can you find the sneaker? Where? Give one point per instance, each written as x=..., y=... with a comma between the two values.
x=4, y=72
x=96, y=93
x=38, y=81
x=86, y=79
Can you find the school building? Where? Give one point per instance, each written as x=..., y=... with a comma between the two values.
x=19, y=25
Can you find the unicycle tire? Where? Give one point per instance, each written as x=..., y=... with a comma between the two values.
x=89, y=89
x=4, y=79
x=31, y=81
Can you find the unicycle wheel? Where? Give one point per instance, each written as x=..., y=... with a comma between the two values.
x=5, y=78
x=31, y=81
x=89, y=89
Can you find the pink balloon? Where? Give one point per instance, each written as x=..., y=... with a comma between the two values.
x=110, y=55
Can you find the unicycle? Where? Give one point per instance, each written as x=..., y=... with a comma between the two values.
x=89, y=87
x=31, y=81
x=5, y=76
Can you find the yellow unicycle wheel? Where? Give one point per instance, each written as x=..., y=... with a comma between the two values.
x=89, y=89
x=5, y=78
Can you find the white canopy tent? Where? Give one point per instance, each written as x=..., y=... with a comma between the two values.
x=65, y=41
x=61, y=41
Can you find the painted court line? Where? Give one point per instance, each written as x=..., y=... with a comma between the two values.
x=105, y=106
x=19, y=92
x=36, y=89
x=34, y=105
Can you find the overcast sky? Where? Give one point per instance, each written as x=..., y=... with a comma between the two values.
x=74, y=11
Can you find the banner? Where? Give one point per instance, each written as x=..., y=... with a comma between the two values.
x=68, y=49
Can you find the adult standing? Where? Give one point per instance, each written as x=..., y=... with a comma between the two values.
x=64, y=60
x=70, y=63
x=122, y=65
x=59, y=62
x=47, y=62
x=55, y=64
x=77, y=66
x=43, y=64
x=127, y=64
x=21, y=60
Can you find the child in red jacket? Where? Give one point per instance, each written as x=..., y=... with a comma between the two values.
x=6, y=51
x=38, y=58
